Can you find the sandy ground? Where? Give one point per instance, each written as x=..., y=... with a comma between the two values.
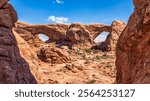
x=86, y=67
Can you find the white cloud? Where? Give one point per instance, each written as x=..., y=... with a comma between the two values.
x=55, y=19
x=58, y=1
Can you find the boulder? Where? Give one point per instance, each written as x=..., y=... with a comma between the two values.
x=78, y=34
x=53, y=55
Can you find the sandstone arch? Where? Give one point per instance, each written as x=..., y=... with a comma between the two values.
x=97, y=29
x=75, y=33
x=55, y=32
x=115, y=31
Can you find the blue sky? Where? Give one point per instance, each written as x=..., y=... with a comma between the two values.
x=68, y=11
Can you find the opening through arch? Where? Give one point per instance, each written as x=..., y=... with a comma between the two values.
x=43, y=37
x=101, y=37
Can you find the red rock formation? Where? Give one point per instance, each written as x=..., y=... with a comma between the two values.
x=3, y=2
x=13, y=68
x=75, y=34
x=59, y=30
x=133, y=55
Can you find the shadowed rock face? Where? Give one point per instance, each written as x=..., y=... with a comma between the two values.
x=133, y=55
x=75, y=33
x=13, y=68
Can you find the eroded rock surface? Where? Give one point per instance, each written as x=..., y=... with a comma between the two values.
x=133, y=55
x=13, y=68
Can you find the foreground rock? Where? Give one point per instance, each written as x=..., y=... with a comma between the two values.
x=3, y=2
x=133, y=55
x=13, y=68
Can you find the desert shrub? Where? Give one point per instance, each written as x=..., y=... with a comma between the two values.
x=104, y=57
x=109, y=65
x=69, y=51
x=98, y=57
x=88, y=50
x=95, y=51
x=91, y=81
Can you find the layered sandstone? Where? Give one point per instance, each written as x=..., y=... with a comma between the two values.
x=13, y=68
x=133, y=55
